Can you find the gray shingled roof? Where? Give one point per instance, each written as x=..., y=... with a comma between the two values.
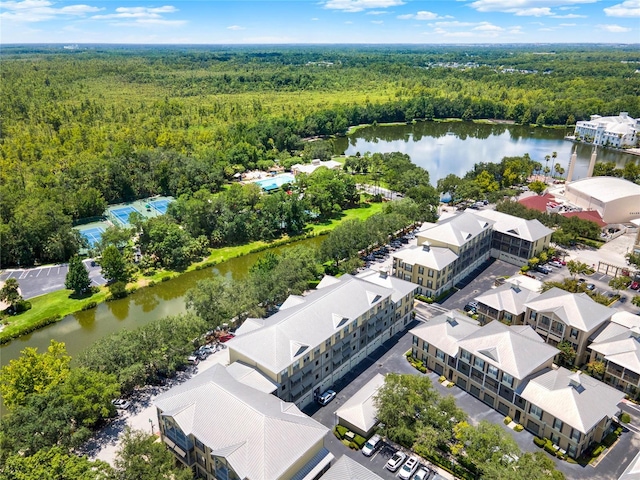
x=508, y=297
x=445, y=331
x=291, y=333
x=508, y=348
x=360, y=409
x=577, y=399
x=436, y=258
x=347, y=469
x=530, y=230
x=456, y=230
x=260, y=435
x=574, y=309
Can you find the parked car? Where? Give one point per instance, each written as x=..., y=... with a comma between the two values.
x=421, y=474
x=634, y=285
x=553, y=263
x=471, y=307
x=543, y=269
x=226, y=337
x=591, y=287
x=325, y=397
x=408, y=468
x=372, y=445
x=581, y=280
x=120, y=403
x=395, y=461
x=193, y=360
x=559, y=260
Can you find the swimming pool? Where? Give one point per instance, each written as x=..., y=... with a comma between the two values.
x=272, y=183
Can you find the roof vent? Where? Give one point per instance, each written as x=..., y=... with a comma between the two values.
x=383, y=274
x=635, y=332
x=491, y=353
x=451, y=319
x=515, y=286
x=575, y=381
x=338, y=320
x=426, y=246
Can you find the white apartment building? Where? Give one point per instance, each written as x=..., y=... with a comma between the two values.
x=617, y=131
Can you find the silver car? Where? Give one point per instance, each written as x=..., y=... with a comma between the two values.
x=394, y=462
x=408, y=468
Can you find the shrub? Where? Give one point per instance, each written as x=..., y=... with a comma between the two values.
x=359, y=440
x=151, y=283
x=625, y=417
x=166, y=279
x=518, y=428
x=548, y=447
x=408, y=354
x=610, y=439
x=353, y=446
x=118, y=290
x=525, y=268
x=442, y=378
x=507, y=420
x=540, y=442
x=618, y=431
x=597, y=451
x=341, y=431
x=133, y=289
x=22, y=306
x=89, y=305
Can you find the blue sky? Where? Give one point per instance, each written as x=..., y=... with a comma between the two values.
x=320, y=21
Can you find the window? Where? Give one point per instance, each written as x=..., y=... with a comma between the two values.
x=545, y=321
x=478, y=363
x=508, y=317
x=415, y=340
x=439, y=354
x=492, y=371
x=507, y=379
x=533, y=315
x=574, y=333
x=429, y=284
x=466, y=356
x=535, y=411
x=420, y=270
x=557, y=424
x=575, y=435
x=420, y=281
x=430, y=273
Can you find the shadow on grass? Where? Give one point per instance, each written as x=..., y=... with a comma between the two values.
x=83, y=296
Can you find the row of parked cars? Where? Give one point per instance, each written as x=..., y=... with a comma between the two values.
x=408, y=467
x=383, y=252
x=204, y=351
x=546, y=268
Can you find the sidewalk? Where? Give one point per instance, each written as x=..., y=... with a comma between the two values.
x=142, y=414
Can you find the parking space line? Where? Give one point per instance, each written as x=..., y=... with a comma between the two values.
x=48, y=271
x=24, y=274
x=11, y=273
x=39, y=272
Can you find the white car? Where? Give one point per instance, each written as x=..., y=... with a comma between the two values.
x=394, y=462
x=408, y=468
x=372, y=445
x=421, y=474
x=326, y=397
x=120, y=404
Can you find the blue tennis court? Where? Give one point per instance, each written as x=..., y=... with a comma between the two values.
x=160, y=206
x=122, y=214
x=93, y=235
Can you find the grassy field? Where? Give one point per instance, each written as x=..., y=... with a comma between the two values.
x=59, y=304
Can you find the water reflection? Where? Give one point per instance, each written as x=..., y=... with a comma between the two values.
x=444, y=148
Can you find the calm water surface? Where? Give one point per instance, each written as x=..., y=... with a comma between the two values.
x=444, y=148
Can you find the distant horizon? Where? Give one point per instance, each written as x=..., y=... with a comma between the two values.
x=320, y=22
x=302, y=44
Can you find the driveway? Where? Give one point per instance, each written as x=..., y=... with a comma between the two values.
x=40, y=280
x=478, y=282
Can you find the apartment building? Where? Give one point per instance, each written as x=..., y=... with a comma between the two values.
x=510, y=368
x=516, y=240
x=505, y=303
x=618, y=347
x=221, y=427
x=431, y=268
x=314, y=340
x=614, y=131
x=558, y=315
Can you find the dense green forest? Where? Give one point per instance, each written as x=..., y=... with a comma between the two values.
x=81, y=129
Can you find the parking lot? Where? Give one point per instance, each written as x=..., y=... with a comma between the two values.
x=40, y=280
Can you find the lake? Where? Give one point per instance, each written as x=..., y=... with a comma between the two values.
x=442, y=148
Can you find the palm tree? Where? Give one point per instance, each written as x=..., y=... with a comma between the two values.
x=546, y=168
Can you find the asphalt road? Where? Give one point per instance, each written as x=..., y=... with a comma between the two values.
x=41, y=280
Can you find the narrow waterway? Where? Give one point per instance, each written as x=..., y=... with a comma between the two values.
x=80, y=330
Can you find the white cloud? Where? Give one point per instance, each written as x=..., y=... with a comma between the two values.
x=570, y=15
x=612, y=28
x=141, y=16
x=422, y=15
x=360, y=5
x=629, y=8
x=488, y=27
x=376, y=12
x=235, y=27
x=532, y=12
x=454, y=23
x=348, y=22
x=568, y=24
x=377, y=22
x=41, y=10
x=523, y=8
x=315, y=19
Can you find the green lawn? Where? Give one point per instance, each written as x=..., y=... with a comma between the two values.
x=59, y=303
x=45, y=306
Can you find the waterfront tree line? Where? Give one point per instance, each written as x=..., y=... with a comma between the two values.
x=87, y=128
